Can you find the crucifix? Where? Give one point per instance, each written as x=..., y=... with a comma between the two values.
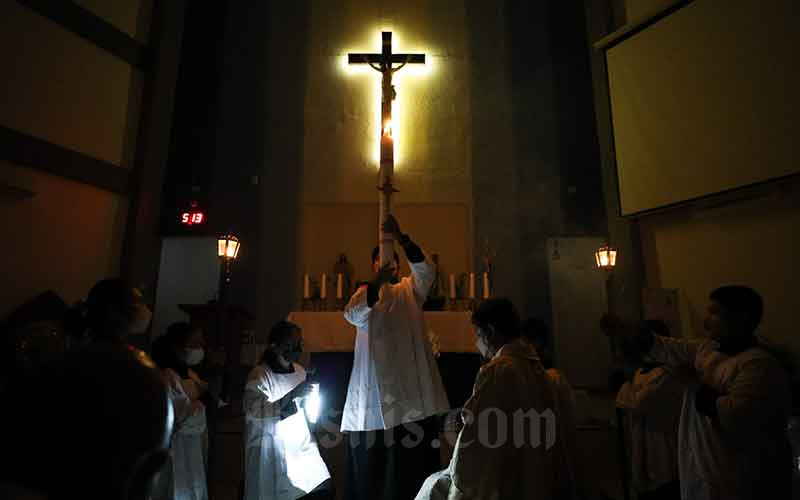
x=385, y=64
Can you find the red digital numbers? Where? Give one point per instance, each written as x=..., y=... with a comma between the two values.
x=192, y=218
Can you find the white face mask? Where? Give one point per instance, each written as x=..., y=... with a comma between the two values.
x=482, y=341
x=483, y=348
x=193, y=356
x=140, y=320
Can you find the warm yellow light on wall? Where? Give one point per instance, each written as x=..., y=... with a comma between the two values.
x=397, y=128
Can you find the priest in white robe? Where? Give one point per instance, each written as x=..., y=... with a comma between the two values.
x=732, y=441
x=514, y=444
x=395, y=392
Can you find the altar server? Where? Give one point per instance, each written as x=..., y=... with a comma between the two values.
x=732, y=441
x=282, y=460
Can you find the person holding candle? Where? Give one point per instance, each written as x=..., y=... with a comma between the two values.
x=395, y=391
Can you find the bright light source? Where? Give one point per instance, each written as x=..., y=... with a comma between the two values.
x=606, y=258
x=402, y=132
x=228, y=246
x=312, y=404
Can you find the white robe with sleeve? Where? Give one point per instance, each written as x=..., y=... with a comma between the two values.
x=395, y=379
x=653, y=402
x=494, y=461
x=282, y=461
x=189, y=439
x=724, y=460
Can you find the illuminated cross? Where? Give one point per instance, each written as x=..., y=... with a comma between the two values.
x=384, y=62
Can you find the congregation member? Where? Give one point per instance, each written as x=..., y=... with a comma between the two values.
x=94, y=425
x=32, y=336
x=113, y=310
x=185, y=477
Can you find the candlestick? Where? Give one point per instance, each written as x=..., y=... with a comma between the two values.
x=323, y=287
x=472, y=286
x=339, y=291
x=306, y=287
x=485, y=286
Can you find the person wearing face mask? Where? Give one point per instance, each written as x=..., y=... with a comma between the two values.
x=282, y=461
x=512, y=443
x=114, y=310
x=732, y=441
x=174, y=352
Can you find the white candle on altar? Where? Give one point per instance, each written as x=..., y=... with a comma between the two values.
x=452, y=286
x=339, y=291
x=485, y=285
x=306, y=287
x=472, y=286
x=323, y=287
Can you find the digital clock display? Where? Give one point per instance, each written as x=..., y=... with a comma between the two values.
x=193, y=216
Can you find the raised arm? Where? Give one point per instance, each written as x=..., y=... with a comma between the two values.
x=422, y=272
x=671, y=351
x=357, y=311
x=666, y=350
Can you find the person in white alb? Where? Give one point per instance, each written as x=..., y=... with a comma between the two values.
x=732, y=442
x=282, y=459
x=395, y=392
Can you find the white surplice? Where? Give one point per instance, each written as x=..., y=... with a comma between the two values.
x=512, y=461
x=395, y=379
x=653, y=402
x=725, y=459
x=282, y=460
